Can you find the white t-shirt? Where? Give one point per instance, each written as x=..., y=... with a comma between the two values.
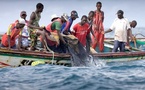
x=120, y=26
x=25, y=32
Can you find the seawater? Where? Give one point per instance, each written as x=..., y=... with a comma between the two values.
x=105, y=76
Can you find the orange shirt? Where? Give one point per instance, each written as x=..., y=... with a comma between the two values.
x=13, y=32
x=81, y=32
x=53, y=28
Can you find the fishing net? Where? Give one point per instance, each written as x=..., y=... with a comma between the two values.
x=79, y=54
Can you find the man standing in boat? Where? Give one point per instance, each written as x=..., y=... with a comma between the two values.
x=98, y=28
x=34, y=29
x=121, y=27
x=8, y=39
x=81, y=30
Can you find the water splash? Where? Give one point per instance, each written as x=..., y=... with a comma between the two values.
x=94, y=62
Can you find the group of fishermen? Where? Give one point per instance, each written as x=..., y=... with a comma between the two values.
x=89, y=31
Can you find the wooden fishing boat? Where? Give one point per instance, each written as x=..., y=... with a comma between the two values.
x=14, y=58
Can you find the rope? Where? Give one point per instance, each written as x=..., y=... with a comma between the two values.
x=50, y=51
x=135, y=37
x=49, y=48
x=139, y=34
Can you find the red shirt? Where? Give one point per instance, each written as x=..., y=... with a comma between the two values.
x=81, y=32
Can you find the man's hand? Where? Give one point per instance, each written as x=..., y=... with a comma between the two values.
x=102, y=32
x=41, y=28
x=9, y=48
x=95, y=26
x=128, y=47
x=20, y=49
x=133, y=38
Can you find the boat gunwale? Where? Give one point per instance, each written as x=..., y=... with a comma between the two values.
x=64, y=55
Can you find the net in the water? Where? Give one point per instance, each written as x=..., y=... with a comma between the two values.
x=79, y=54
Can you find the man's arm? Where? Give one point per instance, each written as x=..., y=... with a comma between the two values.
x=60, y=36
x=102, y=16
x=66, y=26
x=91, y=30
x=19, y=42
x=74, y=30
x=107, y=31
x=130, y=34
x=9, y=40
x=9, y=36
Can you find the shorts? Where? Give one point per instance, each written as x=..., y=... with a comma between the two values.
x=25, y=42
x=33, y=37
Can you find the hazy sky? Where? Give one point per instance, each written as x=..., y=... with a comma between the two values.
x=10, y=10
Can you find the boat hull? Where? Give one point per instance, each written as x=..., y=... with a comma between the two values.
x=14, y=59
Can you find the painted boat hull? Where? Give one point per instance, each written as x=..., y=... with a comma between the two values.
x=14, y=58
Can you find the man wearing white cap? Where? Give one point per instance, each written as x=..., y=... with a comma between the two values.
x=8, y=39
x=25, y=33
x=54, y=17
x=54, y=28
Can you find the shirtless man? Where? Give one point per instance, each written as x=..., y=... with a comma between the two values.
x=34, y=29
x=129, y=32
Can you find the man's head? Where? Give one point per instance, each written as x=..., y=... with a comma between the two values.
x=133, y=24
x=120, y=14
x=99, y=5
x=83, y=19
x=39, y=7
x=21, y=23
x=64, y=17
x=23, y=14
x=74, y=15
x=91, y=15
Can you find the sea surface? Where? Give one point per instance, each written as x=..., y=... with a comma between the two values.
x=105, y=76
